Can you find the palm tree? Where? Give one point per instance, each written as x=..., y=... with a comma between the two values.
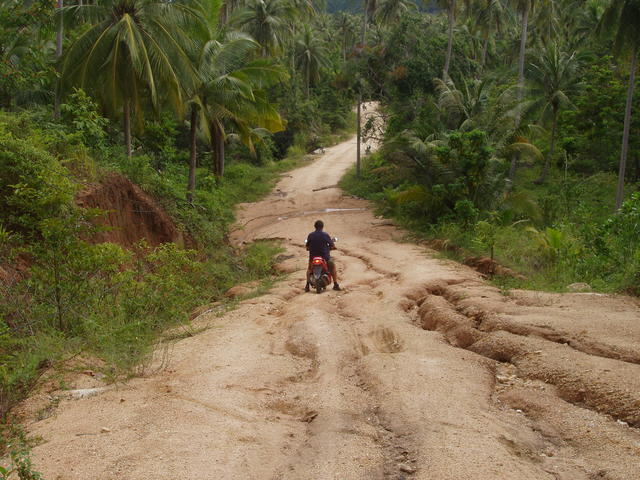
x=227, y=9
x=489, y=16
x=461, y=108
x=212, y=12
x=267, y=21
x=232, y=95
x=346, y=28
x=390, y=11
x=450, y=6
x=588, y=19
x=524, y=8
x=553, y=80
x=310, y=56
x=59, y=33
x=133, y=50
x=621, y=19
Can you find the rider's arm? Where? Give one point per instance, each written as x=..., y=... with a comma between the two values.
x=332, y=245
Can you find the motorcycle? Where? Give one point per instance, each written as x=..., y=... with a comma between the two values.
x=318, y=274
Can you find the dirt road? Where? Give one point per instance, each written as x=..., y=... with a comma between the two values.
x=417, y=370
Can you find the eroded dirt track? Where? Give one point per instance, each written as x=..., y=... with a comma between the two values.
x=418, y=370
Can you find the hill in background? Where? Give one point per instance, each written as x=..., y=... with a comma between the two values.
x=355, y=6
x=343, y=5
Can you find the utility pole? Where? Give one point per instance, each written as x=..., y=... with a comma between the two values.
x=363, y=41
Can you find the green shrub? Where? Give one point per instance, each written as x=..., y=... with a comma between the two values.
x=80, y=115
x=34, y=186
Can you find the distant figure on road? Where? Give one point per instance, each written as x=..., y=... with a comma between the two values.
x=320, y=244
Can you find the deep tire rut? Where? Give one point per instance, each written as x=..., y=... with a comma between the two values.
x=601, y=386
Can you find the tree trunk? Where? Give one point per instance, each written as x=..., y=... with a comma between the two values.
x=191, y=186
x=447, y=60
x=548, y=160
x=512, y=171
x=127, y=126
x=627, y=127
x=523, y=47
x=217, y=149
x=344, y=47
x=485, y=48
x=224, y=13
x=59, y=36
x=365, y=23
x=57, y=294
x=60, y=31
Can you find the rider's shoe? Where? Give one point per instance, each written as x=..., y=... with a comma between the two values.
x=306, y=287
x=336, y=287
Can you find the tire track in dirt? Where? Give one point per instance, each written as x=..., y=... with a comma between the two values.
x=542, y=378
x=606, y=385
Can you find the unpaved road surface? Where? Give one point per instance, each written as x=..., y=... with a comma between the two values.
x=417, y=370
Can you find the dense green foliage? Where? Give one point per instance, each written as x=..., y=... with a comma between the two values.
x=482, y=166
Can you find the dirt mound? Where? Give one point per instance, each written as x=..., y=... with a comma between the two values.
x=484, y=265
x=490, y=267
x=131, y=214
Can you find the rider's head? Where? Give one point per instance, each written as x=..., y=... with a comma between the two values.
x=319, y=225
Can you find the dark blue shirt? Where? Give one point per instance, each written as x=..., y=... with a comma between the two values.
x=319, y=244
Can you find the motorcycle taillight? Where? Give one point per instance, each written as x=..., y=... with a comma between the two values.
x=317, y=261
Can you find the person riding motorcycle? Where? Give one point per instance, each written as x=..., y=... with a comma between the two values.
x=319, y=244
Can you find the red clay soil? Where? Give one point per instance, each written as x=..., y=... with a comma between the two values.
x=131, y=214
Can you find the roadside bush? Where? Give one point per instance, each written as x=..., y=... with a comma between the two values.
x=34, y=186
x=80, y=115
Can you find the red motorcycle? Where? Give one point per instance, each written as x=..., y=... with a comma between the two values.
x=319, y=276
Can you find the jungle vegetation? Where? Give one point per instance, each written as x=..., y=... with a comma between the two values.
x=512, y=133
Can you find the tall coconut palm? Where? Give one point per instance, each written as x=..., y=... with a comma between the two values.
x=267, y=21
x=346, y=28
x=212, y=13
x=450, y=6
x=489, y=16
x=370, y=7
x=60, y=31
x=554, y=78
x=310, y=56
x=390, y=11
x=133, y=50
x=524, y=8
x=621, y=20
x=232, y=93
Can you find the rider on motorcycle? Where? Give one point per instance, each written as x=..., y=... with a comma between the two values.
x=319, y=244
